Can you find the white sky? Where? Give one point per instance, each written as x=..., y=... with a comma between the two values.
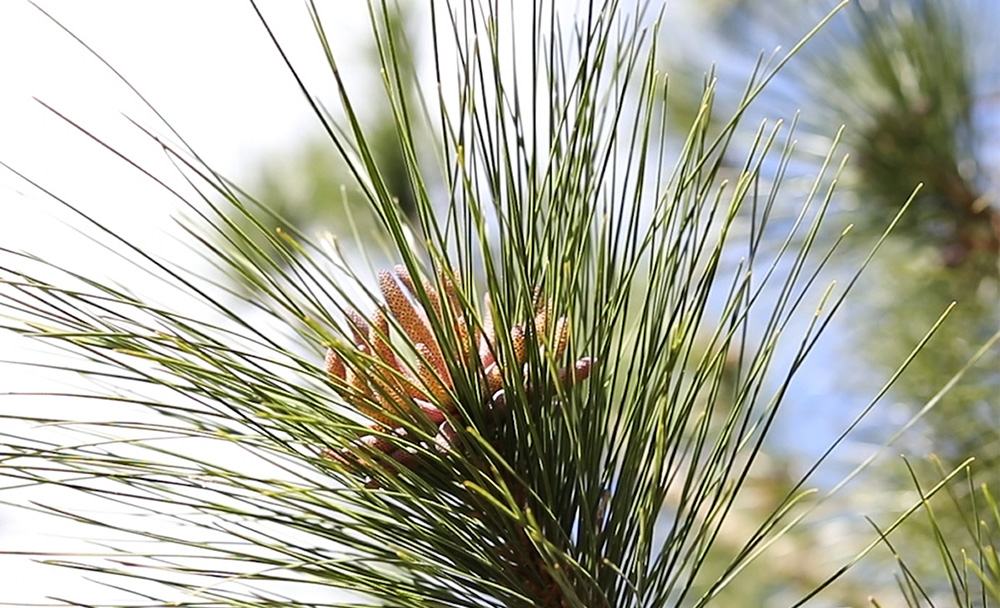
x=207, y=66
x=210, y=69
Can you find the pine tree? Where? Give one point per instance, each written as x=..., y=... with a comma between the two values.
x=553, y=396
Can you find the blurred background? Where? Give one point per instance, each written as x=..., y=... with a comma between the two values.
x=916, y=82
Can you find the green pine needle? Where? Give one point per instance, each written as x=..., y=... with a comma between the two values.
x=547, y=186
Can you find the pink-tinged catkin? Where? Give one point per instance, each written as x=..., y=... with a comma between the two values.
x=335, y=365
x=412, y=322
x=374, y=381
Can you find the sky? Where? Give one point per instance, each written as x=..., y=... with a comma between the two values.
x=209, y=68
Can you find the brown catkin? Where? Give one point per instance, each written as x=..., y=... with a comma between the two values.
x=335, y=365
x=432, y=296
x=358, y=326
x=435, y=381
x=520, y=344
x=385, y=387
x=410, y=320
x=378, y=337
x=561, y=338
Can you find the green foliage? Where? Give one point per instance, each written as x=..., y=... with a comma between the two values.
x=560, y=196
x=968, y=555
x=312, y=190
x=911, y=82
x=909, y=85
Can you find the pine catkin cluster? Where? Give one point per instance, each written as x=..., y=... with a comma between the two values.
x=377, y=382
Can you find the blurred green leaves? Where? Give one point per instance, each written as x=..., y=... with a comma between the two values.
x=915, y=82
x=907, y=85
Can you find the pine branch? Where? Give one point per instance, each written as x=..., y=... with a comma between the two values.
x=573, y=441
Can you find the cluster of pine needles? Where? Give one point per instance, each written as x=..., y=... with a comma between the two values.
x=578, y=440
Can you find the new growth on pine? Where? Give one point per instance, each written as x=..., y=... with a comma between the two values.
x=551, y=386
